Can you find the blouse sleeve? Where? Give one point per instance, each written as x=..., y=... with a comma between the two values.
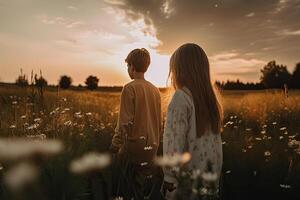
x=176, y=128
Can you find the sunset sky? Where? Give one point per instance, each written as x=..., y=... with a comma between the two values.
x=92, y=37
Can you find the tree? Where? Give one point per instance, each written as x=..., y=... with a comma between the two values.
x=92, y=82
x=296, y=77
x=65, y=82
x=22, y=80
x=275, y=76
x=40, y=82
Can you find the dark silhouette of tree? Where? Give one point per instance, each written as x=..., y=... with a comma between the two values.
x=65, y=82
x=296, y=77
x=238, y=85
x=40, y=82
x=22, y=80
x=92, y=82
x=275, y=76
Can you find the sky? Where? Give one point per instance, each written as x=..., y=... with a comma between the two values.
x=93, y=37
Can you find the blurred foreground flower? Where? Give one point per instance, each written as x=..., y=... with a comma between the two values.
x=14, y=149
x=90, y=162
x=20, y=176
x=210, y=177
x=173, y=160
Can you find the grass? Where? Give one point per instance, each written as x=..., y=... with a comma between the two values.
x=258, y=125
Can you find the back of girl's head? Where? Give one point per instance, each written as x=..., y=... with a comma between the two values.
x=189, y=67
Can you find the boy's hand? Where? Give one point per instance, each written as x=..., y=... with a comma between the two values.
x=168, y=186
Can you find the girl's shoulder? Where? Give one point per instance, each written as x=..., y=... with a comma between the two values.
x=182, y=97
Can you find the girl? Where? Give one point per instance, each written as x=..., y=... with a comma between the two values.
x=194, y=116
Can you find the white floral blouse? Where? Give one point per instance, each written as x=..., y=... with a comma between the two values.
x=180, y=136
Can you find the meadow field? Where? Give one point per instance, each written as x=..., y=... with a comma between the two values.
x=260, y=142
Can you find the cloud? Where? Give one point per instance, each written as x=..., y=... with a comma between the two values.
x=72, y=7
x=289, y=32
x=167, y=8
x=232, y=65
x=252, y=14
x=68, y=23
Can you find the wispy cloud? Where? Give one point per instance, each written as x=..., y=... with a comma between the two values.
x=289, y=32
x=167, y=8
x=72, y=7
x=68, y=23
x=252, y=14
x=233, y=65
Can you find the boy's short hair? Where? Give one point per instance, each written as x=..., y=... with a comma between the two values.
x=140, y=59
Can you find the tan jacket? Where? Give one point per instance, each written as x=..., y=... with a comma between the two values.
x=141, y=105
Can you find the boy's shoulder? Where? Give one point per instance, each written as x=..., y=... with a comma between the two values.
x=140, y=83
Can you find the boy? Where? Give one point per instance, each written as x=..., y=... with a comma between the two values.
x=138, y=131
x=140, y=109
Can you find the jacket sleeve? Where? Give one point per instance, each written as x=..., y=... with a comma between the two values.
x=126, y=116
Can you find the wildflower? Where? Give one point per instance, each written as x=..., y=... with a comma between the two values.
x=282, y=128
x=248, y=129
x=265, y=126
x=203, y=191
x=144, y=163
x=34, y=126
x=13, y=126
x=24, y=148
x=68, y=123
x=20, y=176
x=209, y=177
x=194, y=190
x=285, y=186
x=78, y=115
x=173, y=160
x=67, y=109
x=250, y=147
x=267, y=153
x=195, y=174
x=23, y=117
x=38, y=137
x=258, y=138
x=280, y=137
x=143, y=138
x=14, y=103
x=88, y=114
x=263, y=132
x=274, y=123
x=223, y=143
x=118, y=198
x=90, y=162
x=37, y=120
x=148, y=148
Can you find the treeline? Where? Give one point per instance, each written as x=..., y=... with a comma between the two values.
x=273, y=76
x=64, y=82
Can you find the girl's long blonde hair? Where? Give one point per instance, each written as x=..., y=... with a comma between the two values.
x=189, y=67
